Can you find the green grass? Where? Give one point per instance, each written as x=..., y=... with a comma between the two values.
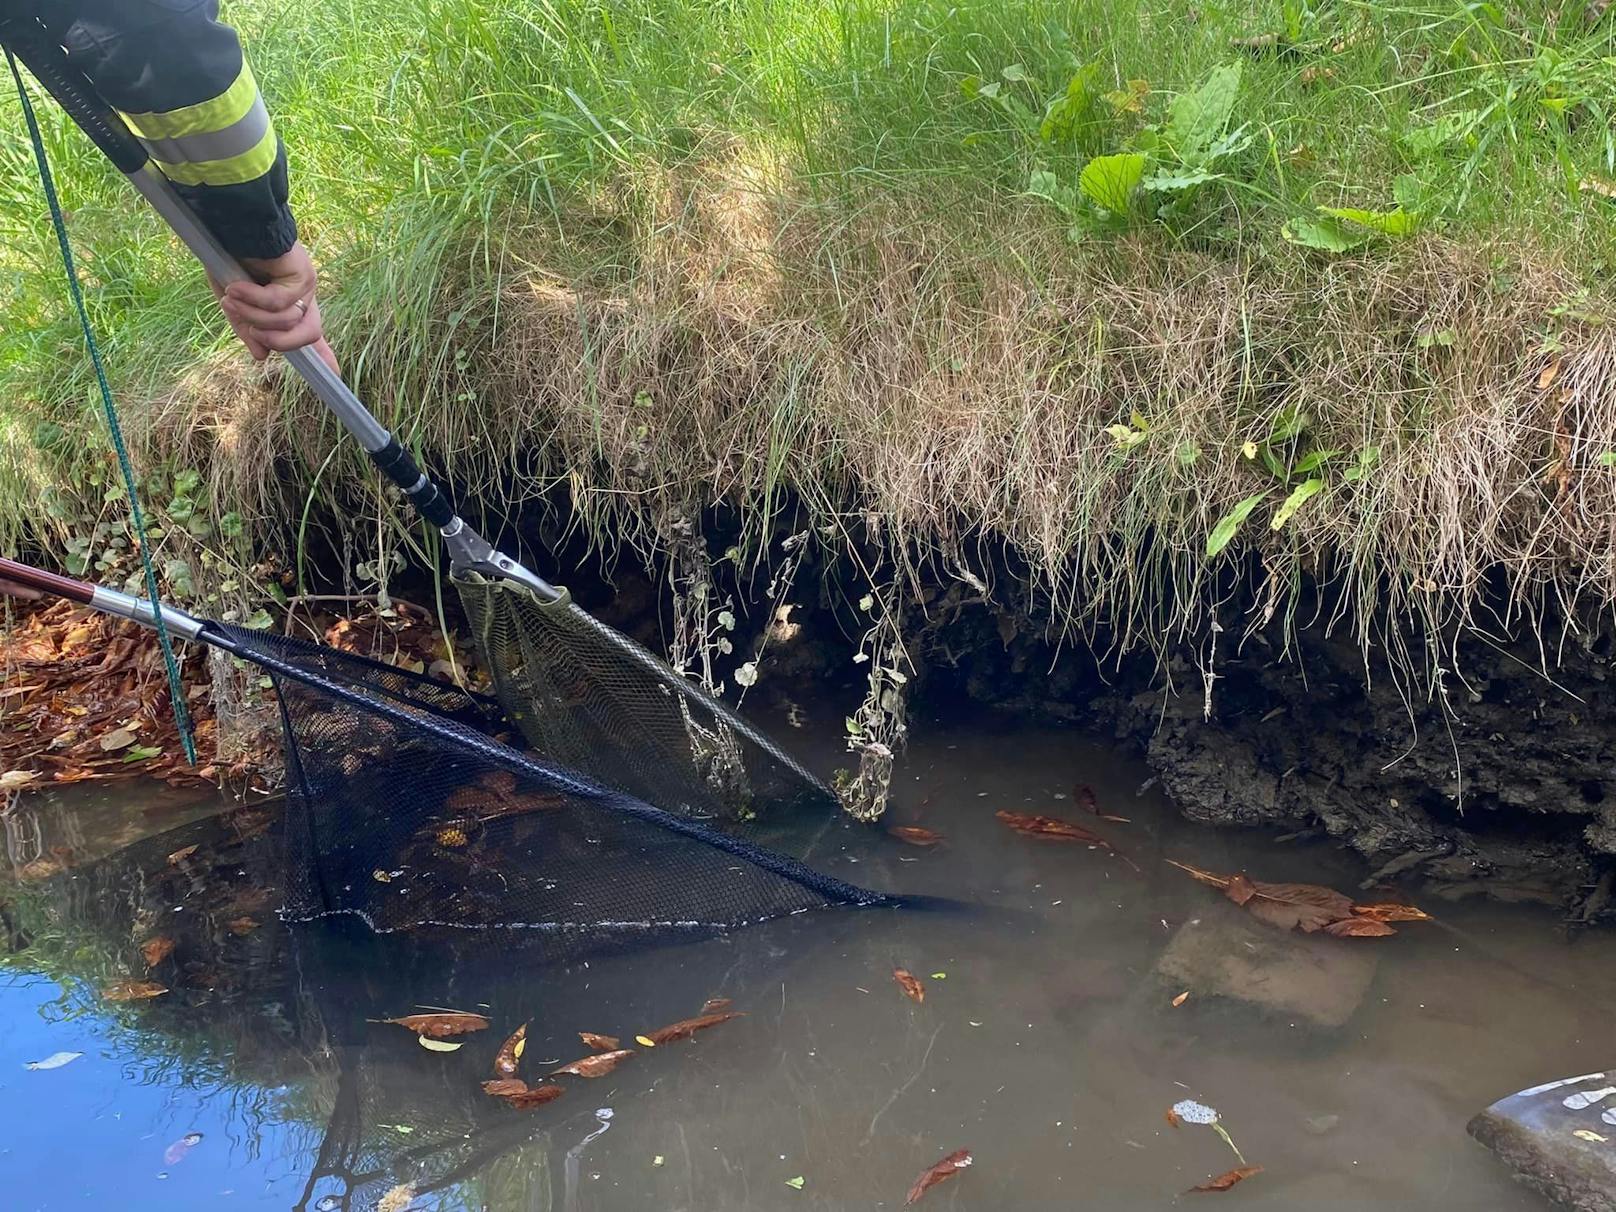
x=801, y=233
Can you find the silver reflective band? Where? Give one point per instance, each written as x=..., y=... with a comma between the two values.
x=240, y=137
x=110, y=601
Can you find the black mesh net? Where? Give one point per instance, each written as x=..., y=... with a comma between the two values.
x=406, y=807
x=591, y=700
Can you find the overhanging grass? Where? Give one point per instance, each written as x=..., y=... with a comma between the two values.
x=667, y=252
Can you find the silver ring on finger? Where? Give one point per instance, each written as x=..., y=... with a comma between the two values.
x=302, y=306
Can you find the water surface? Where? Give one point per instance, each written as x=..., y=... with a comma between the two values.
x=1045, y=1044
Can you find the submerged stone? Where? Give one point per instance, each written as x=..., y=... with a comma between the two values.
x=1559, y=1138
x=1225, y=953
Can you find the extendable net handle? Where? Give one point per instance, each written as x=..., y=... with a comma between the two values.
x=77, y=95
x=107, y=601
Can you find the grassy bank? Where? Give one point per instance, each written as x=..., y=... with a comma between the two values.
x=1133, y=286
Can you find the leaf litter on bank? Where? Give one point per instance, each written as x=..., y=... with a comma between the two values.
x=910, y=984
x=938, y=1171
x=1306, y=907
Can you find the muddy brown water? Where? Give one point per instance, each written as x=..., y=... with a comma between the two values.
x=1047, y=1044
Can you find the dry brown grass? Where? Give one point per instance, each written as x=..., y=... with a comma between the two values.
x=940, y=389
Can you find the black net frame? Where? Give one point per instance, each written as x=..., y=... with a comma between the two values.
x=406, y=807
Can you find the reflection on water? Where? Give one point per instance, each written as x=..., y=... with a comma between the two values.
x=1047, y=1042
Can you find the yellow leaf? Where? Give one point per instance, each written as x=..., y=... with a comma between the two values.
x=397, y=1199
x=1585, y=1134
x=1249, y=450
x=1550, y=373
x=521, y=1047
x=1181, y=998
x=645, y=1041
x=439, y=1045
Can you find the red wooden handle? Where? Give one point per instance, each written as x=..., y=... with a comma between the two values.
x=46, y=582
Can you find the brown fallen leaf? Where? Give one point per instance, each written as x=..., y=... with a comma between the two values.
x=1181, y=999
x=909, y=983
x=598, y=1043
x=155, y=950
x=688, y=1027
x=714, y=1004
x=132, y=991
x=503, y=1086
x=1050, y=827
x=938, y=1172
x=1172, y=1118
x=242, y=925
x=440, y=1024
x=510, y=1052
x=179, y=856
x=915, y=835
x=536, y=1096
x=1392, y=912
x=1359, y=927
x=1304, y=907
x=1227, y=1179
x=598, y=1065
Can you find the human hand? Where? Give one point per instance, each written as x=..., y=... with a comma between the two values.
x=282, y=314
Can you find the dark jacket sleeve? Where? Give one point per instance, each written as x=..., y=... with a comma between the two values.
x=180, y=79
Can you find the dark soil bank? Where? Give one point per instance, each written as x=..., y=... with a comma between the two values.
x=1492, y=776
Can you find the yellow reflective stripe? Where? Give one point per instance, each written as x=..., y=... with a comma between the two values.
x=224, y=110
x=248, y=166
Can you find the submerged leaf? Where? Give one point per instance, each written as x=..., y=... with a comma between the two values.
x=910, y=984
x=133, y=991
x=397, y=1199
x=686, y=1028
x=1392, y=912
x=915, y=835
x=1227, y=1179
x=598, y=1043
x=1048, y=827
x=714, y=1004
x=938, y=1172
x=1359, y=927
x=1305, y=907
x=536, y=1096
x=598, y=1065
x=155, y=950
x=502, y=1086
x=510, y=1052
x=439, y=1045
x=54, y=1061
x=796, y=1184
x=440, y=1024
x=175, y=1153
x=180, y=855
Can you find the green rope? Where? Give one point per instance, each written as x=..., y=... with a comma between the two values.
x=176, y=688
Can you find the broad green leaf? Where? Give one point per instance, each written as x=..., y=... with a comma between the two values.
x=1109, y=181
x=231, y=526
x=1014, y=73
x=1434, y=136
x=1409, y=191
x=1398, y=222
x=187, y=482
x=1166, y=182
x=1315, y=459
x=1188, y=453
x=260, y=621
x=1197, y=118
x=1288, y=424
x=1230, y=522
x=1304, y=492
x=1607, y=458
x=1327, y=235
x=141, y=752
x=1046, y=185
x=1068, y=113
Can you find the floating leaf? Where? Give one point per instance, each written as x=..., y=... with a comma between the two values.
x=915, y=835
x=938, y=1172
x=1049, y=827
x=1392, y=912
x=1306, y=907
x=155, y=950
x=439, y=1024
x=179, y=856
x=1227, y=1179
x=510, y=1052
x=133, y=991
x=439, y=1045
x=598, y=1065
x=175, y=1153
x=910, y=984
x=242, y=925
x=645, y=1041
x=1230, y=522
x=1586, y=1134
x=796, y=1184
x=714, y=1004
x=502, y=1086
x=536, y=1096
x=1181, y=999
x=54, y=1061
x=598, y=1043
x=688, y=1027
x=1109, y=181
